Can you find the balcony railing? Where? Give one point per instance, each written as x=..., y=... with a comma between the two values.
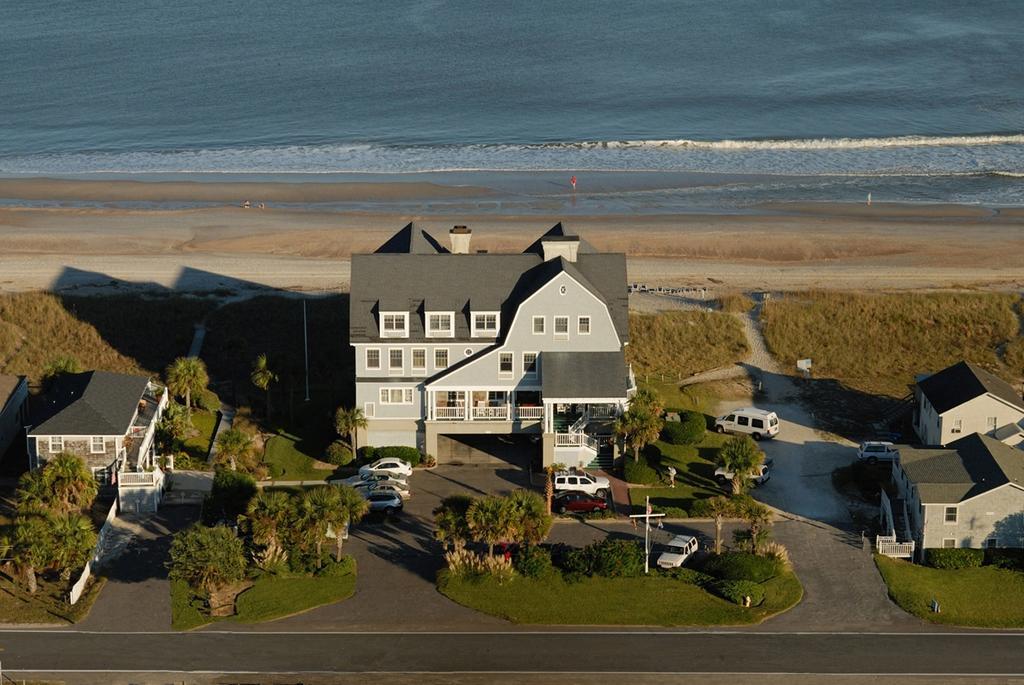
x=575, y=440
x=491, y=413
x=887, y=545
x=449, y=413
x=529, y=413
x=140, y=478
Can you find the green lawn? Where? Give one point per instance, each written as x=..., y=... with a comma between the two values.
x=287, y=462
x=695, y=468
x=651, y=600
x=198, y=445
x=48, y=605
x=270, y=598
x=986, y=597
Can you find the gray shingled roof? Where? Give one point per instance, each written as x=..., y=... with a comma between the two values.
x=414, y=282
x=558, y=232
x=962, y=382
x=412, y=240
x=568, y=375
x=965, y=468
x=91, y=403
x=8, y=384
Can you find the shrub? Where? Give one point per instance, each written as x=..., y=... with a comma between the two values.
x=639, y=472
x=742, y=566
x=1012, y=559
x=338, y=454
x=532, y=561
x=367, y=453
x=338, y=569
x=671, y=512
x=736, y=590
x=229, y=496
x=409, y=454
x=952, y=559
x=207, y=558
x=609, y=558
x=690, y=576
x=688, y=430
x=208, y=401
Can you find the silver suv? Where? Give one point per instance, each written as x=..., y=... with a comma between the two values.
x=874, y=451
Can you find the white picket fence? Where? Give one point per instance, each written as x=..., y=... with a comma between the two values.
x=79, y=587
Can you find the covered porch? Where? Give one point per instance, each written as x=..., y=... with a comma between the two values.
x=484, y=405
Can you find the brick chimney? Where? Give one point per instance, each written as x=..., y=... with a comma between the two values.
x=460, y=236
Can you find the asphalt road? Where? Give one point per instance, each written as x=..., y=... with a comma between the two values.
x=507, y=652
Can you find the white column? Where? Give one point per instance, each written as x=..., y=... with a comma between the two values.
x=467, y=404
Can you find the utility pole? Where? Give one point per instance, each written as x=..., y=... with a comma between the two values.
x=305, y=344
x=647, y=516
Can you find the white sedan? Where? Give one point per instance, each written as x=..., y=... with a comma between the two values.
x=381, y=486
x=361, y=479
x=396, y=467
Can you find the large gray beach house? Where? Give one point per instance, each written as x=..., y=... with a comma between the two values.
x=451, y=343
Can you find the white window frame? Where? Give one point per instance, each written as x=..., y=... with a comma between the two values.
x=447, y=358
x=579, y=325
x=438, y=333
x=392, y=369
x=369, y=409
x=366, y=359
x=478, y=332
x=536, y=365
x=403, y=333
x=56, y=443
x=422, y=367
x=554, y=328
x=387, y=395
x=502, y=356
x=92, y=444
x=945, y=515
x=991, y=542
x=543, y=325
x=958, y=426
x=945, y=540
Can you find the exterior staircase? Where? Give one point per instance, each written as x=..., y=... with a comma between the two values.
x=605, y=457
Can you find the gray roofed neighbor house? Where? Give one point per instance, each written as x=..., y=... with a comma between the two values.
x=92, y=403
x=412, y=240
x=558, y=232
x=961, y=383
x=572, y=375
x=966, y=468
x=8, y=385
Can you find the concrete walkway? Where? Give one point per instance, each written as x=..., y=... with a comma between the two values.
x=227, y=418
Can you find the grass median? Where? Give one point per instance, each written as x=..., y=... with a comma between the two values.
x=984, y=597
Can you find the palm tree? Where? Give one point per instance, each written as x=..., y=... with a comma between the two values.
x=262, y=377
x=71, y=483
x=348, y=422
x=530, y=520
x=741, y=457
x=720, y=507
x=549, y=484
x=638, y=427
x=353, y=508
x=759, y=518
x=186, y=376
x=319, y=509
x=34, y=494
x=31, y=548
x=234, y=445
x=267, y=517
x=73, y=538
x=450, y=525
x=645, y=398
x=490, y=521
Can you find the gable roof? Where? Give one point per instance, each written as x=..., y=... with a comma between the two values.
x=91, y=403
x=961, y=383
x=578, y=375
x=558, y=232
x=8, y=386
x=418, y=282
x=412, y=240
x=964, y=469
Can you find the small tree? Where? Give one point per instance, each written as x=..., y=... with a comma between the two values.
x=175, y=425
x=490, y=521
x=59, y=366
x=34, y=494
x=759, y=519
x=267, y=518
x=549, y=483
x=529, y=518
x=187, y=377
x=32, y=548
x=319, y=509
x=72, y=485
x=741, y=457
x=73, y=538
x=638, y=427
x=450, y=524
x=348, y=423
x=720, y=508
x=353, y=508
x=207, y=558
x=263, y=377
x=645, y=398
x=233, y=445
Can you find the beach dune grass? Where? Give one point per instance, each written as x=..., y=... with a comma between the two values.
x=676, y=344
x=984, y=597
x=656, y=600
x=879, y=342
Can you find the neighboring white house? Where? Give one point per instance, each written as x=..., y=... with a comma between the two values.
x=965, y=399
x=107, y=419
x=450, y=342
x=13, y=409
x=967, y=494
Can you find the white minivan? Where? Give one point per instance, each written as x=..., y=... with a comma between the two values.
x=757, y=423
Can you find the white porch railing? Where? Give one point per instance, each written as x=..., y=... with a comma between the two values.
x=449, y=413
x=140, y=478
x=887, y=545
x=575, y=440
x=491, y=413
x=529, y=413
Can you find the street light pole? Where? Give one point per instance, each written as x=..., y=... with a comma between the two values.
x=647, y=516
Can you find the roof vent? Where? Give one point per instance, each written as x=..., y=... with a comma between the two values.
x=460, y=236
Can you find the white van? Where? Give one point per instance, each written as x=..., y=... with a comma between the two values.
x=757, y=423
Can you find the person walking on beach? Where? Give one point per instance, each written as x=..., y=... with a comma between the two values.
x=573, y=182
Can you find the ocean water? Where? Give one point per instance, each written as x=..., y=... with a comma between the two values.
x=920, y=99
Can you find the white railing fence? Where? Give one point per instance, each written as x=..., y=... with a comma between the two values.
x=449, y=413
x=575, y=440
x=530, y=412
x=141, y=478
x=499, y=413
x=79, y=587
x=887, y=545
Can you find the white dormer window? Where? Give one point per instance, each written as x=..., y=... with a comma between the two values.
x=485, y=324
x=394, y=324
x=440, y=324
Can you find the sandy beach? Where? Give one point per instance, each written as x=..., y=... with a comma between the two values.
x=85, y=235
